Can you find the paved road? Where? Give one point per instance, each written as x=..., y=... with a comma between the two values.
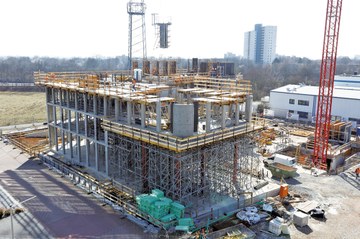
x=60, y=209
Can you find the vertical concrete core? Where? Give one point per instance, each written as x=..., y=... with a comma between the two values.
x=183, y=120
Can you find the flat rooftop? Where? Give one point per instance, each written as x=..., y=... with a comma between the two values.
x=339, y=91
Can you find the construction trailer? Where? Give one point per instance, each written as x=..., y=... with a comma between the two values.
x=189, y=136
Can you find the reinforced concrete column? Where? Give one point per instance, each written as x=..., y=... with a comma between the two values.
x=71, y=145
x=85, y=102
x=142, y=113
x=129, y=111
x=208, y=116
x=158, y=116
x=69, y=120
x=62, y=121
x=223, y=116
x=55, y=129
x=95, y=104
x=237, y=112
x=120, y=109
x=96, y=156
x=248, y=108
x=188, y=98
x=87, y=152
x=117, y=109
x=230, y=110
x=105, y=106
x=78, y=143
x=107, y=153
x=76, y=113
x=68, y=98
x=76, y=100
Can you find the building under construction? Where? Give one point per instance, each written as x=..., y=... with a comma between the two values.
x=188, y=135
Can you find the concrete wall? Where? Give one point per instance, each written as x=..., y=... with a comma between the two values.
x=279, y=103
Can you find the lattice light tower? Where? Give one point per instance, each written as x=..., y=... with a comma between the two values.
x=137, y=31
x=326, y=83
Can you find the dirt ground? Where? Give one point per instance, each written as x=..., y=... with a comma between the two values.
x=339, y=199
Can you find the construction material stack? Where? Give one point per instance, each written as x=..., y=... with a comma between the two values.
x=163, y=209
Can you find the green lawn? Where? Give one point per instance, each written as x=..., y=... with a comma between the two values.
x=22, y=107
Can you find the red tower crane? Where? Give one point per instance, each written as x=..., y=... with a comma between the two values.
x=326, y=83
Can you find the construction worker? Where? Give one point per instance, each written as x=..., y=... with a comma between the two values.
x=357, y=172
x=133, y=84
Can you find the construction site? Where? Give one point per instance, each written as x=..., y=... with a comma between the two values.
x=179, y=150
x=182, y=152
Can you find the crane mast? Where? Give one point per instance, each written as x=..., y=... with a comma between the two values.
x=326, y=82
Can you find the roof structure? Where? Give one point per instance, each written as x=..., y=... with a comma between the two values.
x=339, y=92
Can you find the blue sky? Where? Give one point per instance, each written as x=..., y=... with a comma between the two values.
x=200, y=28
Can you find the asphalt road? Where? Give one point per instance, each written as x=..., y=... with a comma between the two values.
x=59, y=210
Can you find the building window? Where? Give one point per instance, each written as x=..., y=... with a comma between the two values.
x=303, y=102
x=303, y=115
x=291, y=101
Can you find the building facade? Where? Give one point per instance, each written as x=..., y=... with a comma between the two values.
x=260, y=44
x=299, y=102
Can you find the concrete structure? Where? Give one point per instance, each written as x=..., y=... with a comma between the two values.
x=260, y=44
x=131, y=133
x=299, y=102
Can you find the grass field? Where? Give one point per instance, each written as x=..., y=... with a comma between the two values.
x=22, y=108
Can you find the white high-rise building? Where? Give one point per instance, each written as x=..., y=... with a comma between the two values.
x=260, y=44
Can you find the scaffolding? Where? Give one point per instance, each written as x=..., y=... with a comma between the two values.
x=124, y=130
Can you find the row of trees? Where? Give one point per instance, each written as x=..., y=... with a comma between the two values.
x=290, y=70
x=284, y=70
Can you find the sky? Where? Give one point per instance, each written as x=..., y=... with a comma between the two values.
x=200, y=28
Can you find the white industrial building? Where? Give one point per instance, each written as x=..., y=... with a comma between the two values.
x=299, y=102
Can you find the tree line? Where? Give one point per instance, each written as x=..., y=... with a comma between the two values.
x=284, y=70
